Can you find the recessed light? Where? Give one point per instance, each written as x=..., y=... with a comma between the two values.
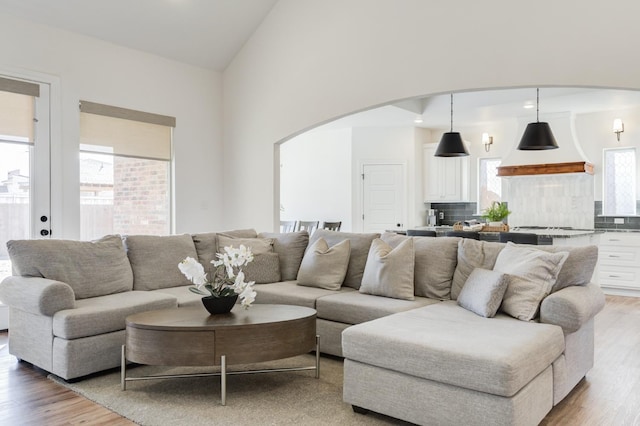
x=418, y=119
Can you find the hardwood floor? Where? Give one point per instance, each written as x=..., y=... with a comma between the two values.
x=610, y=395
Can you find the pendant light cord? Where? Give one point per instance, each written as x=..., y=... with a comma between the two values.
x=538, y=104
x=451, y=113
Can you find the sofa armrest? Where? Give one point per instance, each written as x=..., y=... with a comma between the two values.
x=572, y=306
x=39, y=296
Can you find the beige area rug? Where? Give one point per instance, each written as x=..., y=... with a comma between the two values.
x=288, y=398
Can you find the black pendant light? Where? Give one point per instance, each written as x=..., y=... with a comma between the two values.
x=537, y=136
x=451, y=144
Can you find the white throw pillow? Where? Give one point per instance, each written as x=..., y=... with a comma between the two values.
x=324, y=267
x=389, y=272
x=532, y=274
x=483, y=292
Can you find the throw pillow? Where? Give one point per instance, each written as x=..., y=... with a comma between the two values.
x=359, y=244
x=532, y=274
x=90, y=268
x=264, y=269
x=389, y=271
x=325, y=267
x=473, y=254
x=483, y=292
x=290, y=247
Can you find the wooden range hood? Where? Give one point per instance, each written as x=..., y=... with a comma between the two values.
x=546, y=169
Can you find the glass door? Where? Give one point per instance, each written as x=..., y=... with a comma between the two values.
x=24, y=164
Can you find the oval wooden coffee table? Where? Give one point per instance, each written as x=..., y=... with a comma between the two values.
x=193, y=337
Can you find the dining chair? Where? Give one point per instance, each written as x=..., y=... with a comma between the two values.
x=287, y=225
x=420, y=233
x=308, y=225
x=519, y=237
x=332, y=226
x=464, y=234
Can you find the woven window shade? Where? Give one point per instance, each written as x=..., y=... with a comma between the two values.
x=120, y=131
x=16, y=117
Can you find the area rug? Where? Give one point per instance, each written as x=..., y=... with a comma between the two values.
x=287, y=398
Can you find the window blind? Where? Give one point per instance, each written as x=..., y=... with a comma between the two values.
x=125, y=132
x=17, y=110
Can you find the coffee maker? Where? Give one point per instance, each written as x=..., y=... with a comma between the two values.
x=431, y=217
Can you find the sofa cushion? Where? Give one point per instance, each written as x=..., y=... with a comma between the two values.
x=104, y=314
x=90, y=268
x=290, y=247
x=532, y=273
x=323, y=266
x=289, y=293
x=389, y=271
x=359, y=243
x=354, y=307
x=154, y=260
x=483, y=292
x=473, y=254
x=435, y=263
x=448, y=344
x=207, y=244
x=263, y=269
x=578, y=268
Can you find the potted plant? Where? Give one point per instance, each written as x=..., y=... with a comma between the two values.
x=226, y=283
x=496, y=213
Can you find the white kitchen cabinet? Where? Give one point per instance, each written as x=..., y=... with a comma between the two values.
x=618, y=270
x=444, y=178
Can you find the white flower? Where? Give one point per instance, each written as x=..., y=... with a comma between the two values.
x=193, y=270
x=247, y=296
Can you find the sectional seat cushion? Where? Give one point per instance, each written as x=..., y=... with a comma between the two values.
x=532, y=273
x=354, y=307
x=435, y=263
x=182, y=295
x=290, y=247
x=265, y=267
x=473, y=254
x=104, y=314
x=323, y=266
x=448, y=344
x=389, y=271
x=359, y=244
x=289, y=293
x=483, y=292
x=91, y=268
x=154, y=260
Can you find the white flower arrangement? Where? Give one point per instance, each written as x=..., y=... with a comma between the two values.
x=227, y=279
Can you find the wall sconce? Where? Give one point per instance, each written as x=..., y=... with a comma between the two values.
x=487, y=141
x=618, y=127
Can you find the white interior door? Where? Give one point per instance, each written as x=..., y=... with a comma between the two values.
x=383, y=197
x=25, y=200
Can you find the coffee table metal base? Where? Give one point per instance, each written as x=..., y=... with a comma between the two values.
x=223, y=372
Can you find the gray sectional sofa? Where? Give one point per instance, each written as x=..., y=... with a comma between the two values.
x=414, y=317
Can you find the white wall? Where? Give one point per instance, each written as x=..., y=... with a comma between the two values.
x=97, y=71
x=315, y=177
x=312, y=61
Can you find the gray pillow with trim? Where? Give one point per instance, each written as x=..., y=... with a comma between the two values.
x=483, y=292
x=324, y=266
x=389, y=271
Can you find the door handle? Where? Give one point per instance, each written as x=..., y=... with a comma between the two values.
x=44, y=232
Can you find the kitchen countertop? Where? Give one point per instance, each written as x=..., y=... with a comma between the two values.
x=548, y=232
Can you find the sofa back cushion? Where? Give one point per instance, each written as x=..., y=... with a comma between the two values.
x=435, y=263
x=207, y=244
x=154, y=260
x=578, y=268
x=91, y=268
x=290, y=247
x=359, y=243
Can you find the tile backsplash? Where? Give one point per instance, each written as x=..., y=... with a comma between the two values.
x=608, y=222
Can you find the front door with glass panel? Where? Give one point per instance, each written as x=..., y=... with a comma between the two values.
x=24, y=164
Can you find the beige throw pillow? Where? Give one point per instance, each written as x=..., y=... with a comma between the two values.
x=265, y=267
x=324, y=267
x=532, y=274
x=389, y=272
x=483, y=292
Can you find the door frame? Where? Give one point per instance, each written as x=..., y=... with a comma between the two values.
x=358, y=205
x=55, y=146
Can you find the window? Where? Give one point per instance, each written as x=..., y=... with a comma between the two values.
x=619, y=182
x=125, y=171
x=489, y=184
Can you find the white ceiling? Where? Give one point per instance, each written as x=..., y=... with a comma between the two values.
x=205, y=33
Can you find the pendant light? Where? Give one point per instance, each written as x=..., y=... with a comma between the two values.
x=451, y=144
x=537, y=136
